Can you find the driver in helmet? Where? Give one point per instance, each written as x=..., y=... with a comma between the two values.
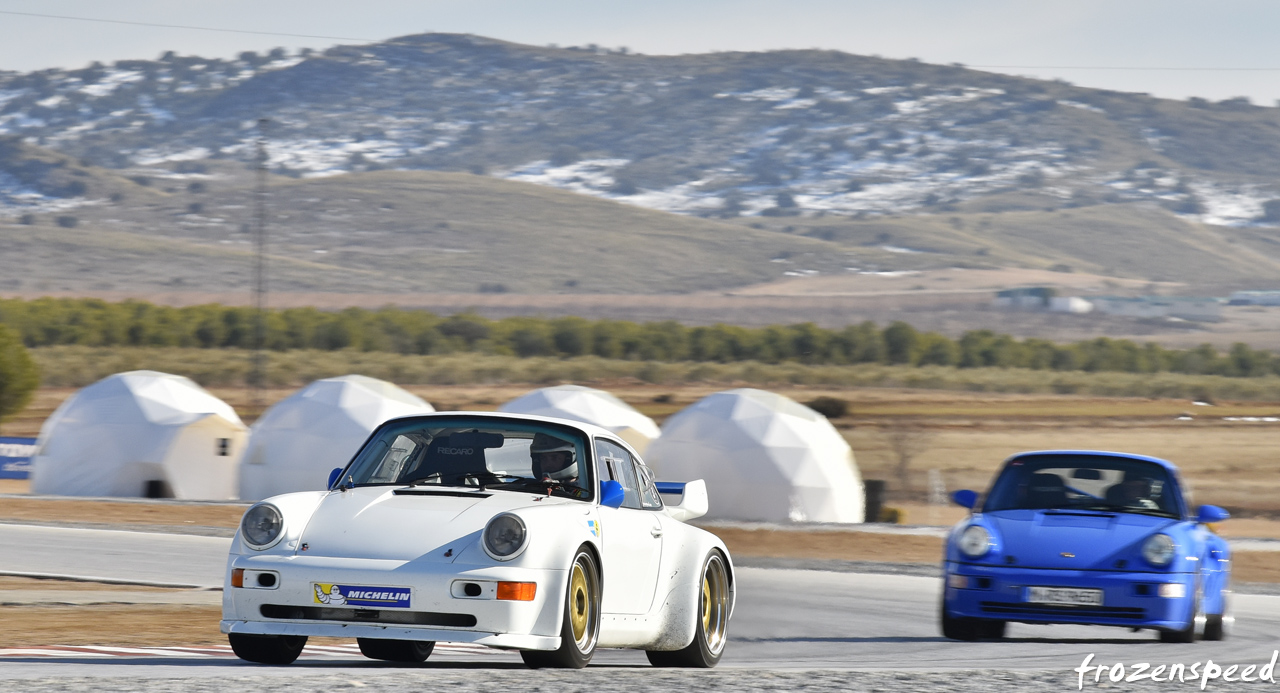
x=553, y=458
x=1136, y=491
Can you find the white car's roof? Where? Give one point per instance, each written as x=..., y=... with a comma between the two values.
x=589, y=429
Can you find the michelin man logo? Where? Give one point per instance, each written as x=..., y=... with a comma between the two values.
x=362, y=595
x=331, y=596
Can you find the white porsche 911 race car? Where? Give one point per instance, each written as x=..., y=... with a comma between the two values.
x=520, y=532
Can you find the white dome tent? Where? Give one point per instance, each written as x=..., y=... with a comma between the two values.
x=765, y=458
x=300, y=439
x=588, y=405
x=140, y=433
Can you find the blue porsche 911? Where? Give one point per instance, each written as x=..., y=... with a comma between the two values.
x=1087, y=537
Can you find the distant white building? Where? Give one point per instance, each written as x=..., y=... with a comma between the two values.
x=1025, y=297
x=1070, y=304
x=1041, y=298
x=1254, y=298
x=1182, y=307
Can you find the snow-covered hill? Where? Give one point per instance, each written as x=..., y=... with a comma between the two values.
x=723, y=135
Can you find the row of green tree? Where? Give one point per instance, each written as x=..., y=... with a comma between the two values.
x=89, y=322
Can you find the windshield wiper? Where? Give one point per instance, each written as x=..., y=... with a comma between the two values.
x=483, y=479
x=1156, y=512
x=530, y=481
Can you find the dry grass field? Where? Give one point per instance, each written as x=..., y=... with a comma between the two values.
x=950, y=301
x=116, y=625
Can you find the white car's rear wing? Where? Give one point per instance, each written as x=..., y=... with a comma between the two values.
x=684, y=500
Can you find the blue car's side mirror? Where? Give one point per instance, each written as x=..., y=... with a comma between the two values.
x=1211, y=513
x=965, y=498
x=611, y=494
x=333, y=476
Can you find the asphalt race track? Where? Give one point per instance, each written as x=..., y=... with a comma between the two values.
x=792, y=628
x=143, y=557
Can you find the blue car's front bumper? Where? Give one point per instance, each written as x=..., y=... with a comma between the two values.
x=1129, y=599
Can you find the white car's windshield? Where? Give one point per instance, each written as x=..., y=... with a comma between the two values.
x=467, y=451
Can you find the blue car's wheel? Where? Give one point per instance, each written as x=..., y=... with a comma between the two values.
x=1213, y=629
x=1187, y=634
x=962, y=628
x=1215, y=625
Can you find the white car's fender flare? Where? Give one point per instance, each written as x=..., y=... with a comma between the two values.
x=679, y=609
x=556, y=532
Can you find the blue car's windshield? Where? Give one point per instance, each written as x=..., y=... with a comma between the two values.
x=1085, y=482
x=467, y=451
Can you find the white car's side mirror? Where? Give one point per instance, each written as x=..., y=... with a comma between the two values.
x=684, y=501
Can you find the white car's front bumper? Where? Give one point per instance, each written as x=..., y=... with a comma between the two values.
x=437, y=610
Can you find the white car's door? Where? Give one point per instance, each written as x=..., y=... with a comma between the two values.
x=632, y=536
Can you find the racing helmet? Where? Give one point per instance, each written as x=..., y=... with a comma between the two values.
x=544, y=444
x=1142, y=483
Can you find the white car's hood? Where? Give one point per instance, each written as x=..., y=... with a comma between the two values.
x=432, y=524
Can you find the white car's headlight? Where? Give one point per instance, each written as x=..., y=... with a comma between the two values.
x=1158, y=549
x=975, y=541
x=262, y=526
x=504, y=537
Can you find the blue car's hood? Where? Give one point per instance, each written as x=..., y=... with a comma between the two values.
x=1066, y=539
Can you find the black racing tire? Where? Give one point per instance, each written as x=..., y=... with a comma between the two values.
x=580, y=629
x=408, y=651
x=1188, y=634
x=267, y=649
x=1214, y=629
x=1216, y=625
x=710, y=635
x=969, y=629
x=993, y=630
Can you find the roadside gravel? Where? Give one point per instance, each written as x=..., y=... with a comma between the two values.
x=594, y=680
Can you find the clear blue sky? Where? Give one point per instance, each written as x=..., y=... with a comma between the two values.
x=1102, y=33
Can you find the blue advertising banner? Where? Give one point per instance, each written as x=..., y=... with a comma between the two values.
x=15, y=457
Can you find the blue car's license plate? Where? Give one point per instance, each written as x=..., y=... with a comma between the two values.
x=1064, y=595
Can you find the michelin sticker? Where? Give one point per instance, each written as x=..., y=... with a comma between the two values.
x=359, y=595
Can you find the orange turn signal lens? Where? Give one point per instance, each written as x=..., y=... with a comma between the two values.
x=517, y=591
x=237, y=577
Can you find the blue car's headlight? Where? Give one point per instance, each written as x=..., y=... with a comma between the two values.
x=1158, y=550
x=974, y=542
x=262, y=526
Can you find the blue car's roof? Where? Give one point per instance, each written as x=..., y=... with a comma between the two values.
x=1099, y=453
